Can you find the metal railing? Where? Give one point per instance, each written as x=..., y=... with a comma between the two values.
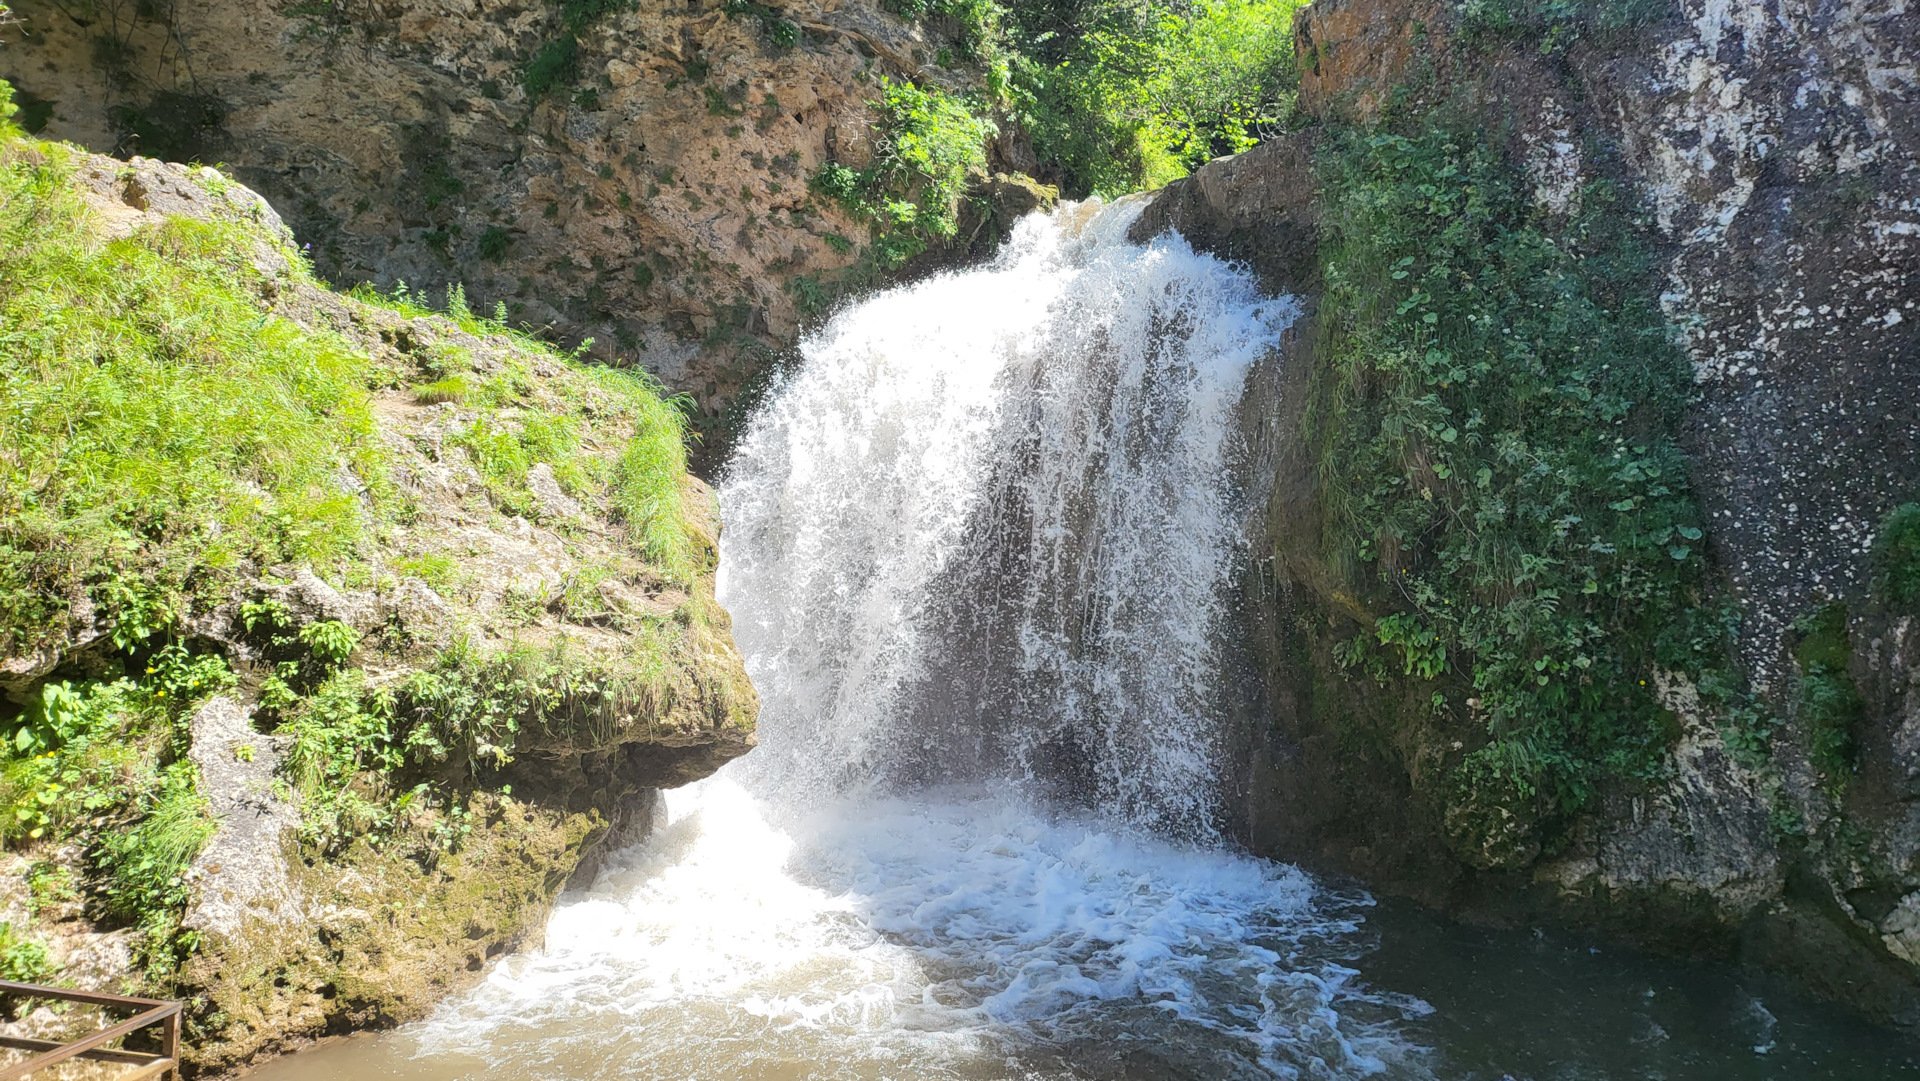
x=145, y=1065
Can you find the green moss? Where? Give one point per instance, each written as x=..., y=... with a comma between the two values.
x=415, y=920
x=1497, y=469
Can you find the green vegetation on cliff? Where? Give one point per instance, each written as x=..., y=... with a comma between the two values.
x=1118, y=96
x=926, y=142
x=1494, y=416
x=216, y=481
x=1112, y=96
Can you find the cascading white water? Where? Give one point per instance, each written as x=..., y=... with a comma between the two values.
x=989, y=522
x=976, y=552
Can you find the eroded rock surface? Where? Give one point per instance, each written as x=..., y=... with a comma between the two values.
x=1775, y=149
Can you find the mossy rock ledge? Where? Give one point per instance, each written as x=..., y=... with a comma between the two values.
x=436, y=675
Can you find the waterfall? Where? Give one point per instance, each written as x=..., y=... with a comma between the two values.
x=976, y=551
x=985, y=530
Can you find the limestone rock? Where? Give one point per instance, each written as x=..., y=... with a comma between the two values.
x=241, y=873
x=1255, y=207
x=546, y=489
x=1775, y=150
x=300, y=940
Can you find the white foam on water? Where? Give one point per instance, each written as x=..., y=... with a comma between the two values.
x=955, y=934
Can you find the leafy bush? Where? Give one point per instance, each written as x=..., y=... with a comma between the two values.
x=781, y=32
x=493, y=244
x=23, y=959
x=1494, y=423
x=925, y=143
x=79, y=750
x=1896, y=554
x=1123, y=95
x=1826, y=701
x=555, y=63
x=330, y=640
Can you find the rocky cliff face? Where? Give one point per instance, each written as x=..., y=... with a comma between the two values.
x=632, y=173
x=419, y=743
x=1772, y=149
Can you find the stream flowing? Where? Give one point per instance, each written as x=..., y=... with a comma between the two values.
x=979, y=551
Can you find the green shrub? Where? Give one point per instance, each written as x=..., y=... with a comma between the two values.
x=23, y=959
x=1896, y=554
x=8, y=110
x=331, y=641
x=1494, y=424
x=555, y=63
x=1552, y=25
x=78, y=751
x=1119, y=95
x=780, y=32
x=1826, y=701
x=926, y=141
x=493, y=244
